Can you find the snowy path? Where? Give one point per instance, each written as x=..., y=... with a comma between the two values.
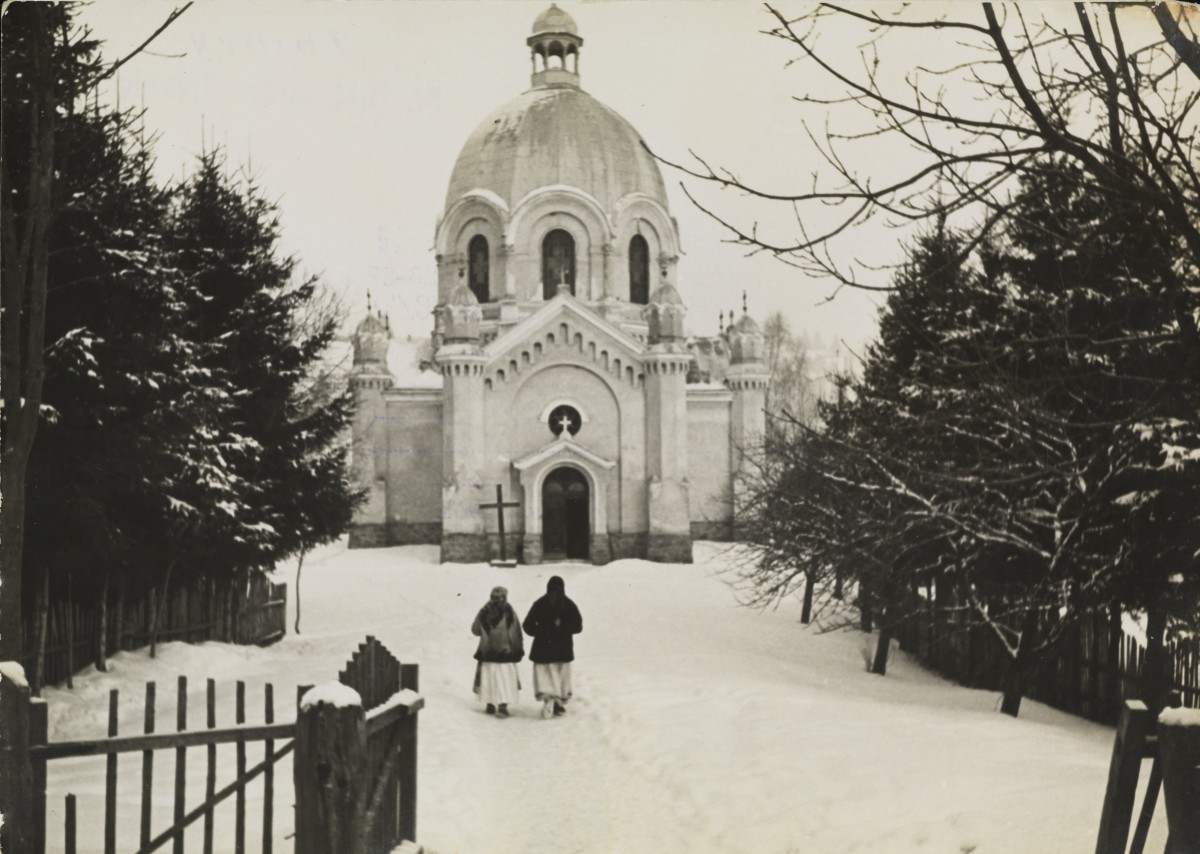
x=697, y=726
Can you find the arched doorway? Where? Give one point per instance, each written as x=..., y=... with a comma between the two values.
x=566, y=529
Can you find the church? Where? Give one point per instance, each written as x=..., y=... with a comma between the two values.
x=559, y=368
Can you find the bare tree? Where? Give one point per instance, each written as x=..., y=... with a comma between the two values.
x=1113, y=87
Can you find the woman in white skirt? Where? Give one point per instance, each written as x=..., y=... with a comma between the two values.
x=552, y=622
x=501, y=646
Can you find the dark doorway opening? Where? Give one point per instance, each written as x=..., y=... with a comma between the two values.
x=558, y=263
x=566, y=531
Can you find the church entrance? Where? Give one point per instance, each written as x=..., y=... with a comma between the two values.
x=566, y=530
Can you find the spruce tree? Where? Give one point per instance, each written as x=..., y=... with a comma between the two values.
x=278, y=426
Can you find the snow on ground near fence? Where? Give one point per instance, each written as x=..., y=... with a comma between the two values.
x=698, y=726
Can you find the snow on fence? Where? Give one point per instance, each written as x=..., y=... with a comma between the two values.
x=1095, y=667
x=375, y=762
x=1172, y=742
x=251, y=610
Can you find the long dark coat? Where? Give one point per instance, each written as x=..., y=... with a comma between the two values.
x=552, y=622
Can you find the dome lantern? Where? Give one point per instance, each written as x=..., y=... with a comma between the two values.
x=554, y=50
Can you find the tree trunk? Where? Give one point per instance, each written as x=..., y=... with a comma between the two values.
x=43, y=625
x=864, y=607
x=102, y=631
x=299, y=568
x=1017, y=677
x=22, y=336
x=1014, y=690
x=882, y=647
x=70, y=629
x=806, y=611
x=119, y=618
x=153, y=621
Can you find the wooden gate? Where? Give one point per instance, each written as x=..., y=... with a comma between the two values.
x=388, y=696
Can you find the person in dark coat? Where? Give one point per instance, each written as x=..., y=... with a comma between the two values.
x=552, y=622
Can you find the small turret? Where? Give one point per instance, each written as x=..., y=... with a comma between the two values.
x=371, y=339
x=458, y=318
x=664, y=315
x=746, y=342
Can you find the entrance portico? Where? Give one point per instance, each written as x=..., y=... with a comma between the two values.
x=586, y=480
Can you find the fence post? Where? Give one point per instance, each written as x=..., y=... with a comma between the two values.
x=16, y=770
x=1179, y=747
x=410, y=679
x=1128, y=750
x=329, y=770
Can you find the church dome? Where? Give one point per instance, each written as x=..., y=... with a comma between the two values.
x=559, y=135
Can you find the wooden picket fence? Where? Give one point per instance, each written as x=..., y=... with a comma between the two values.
x=1096, y=667
x=250, y=610
x=388, y=718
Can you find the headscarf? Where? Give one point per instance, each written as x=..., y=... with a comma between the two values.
x=491, y=613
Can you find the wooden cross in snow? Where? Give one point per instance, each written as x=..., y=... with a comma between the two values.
x=499, y=507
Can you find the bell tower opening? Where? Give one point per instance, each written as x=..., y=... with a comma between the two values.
x=639, y=270
x=558, y=263
x=477, y=264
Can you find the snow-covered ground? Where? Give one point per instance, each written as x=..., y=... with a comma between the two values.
x=698, y=726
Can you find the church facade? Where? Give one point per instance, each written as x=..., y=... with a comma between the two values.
x=559, y=368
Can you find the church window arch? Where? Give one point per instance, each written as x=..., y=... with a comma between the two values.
x=558, y=262
x=478, y=258
x=639, y=270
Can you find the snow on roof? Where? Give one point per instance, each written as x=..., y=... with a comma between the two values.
x=411, y=362
x=13, y=672
x=1180, y=717
x=331, y=694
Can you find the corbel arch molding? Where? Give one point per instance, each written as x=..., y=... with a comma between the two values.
x=558, y=198
x=452, y=233
x=478, y=212
x=620, y=369
x=640, y=209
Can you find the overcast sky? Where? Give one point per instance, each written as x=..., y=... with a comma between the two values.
x=352, y=115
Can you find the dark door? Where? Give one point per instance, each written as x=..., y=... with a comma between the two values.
x=565, y=528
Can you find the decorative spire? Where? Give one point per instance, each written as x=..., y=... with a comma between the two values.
x=744, y=309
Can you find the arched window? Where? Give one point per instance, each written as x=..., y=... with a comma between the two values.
x=558, y=262
x=477, y=262
x=639, y=270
